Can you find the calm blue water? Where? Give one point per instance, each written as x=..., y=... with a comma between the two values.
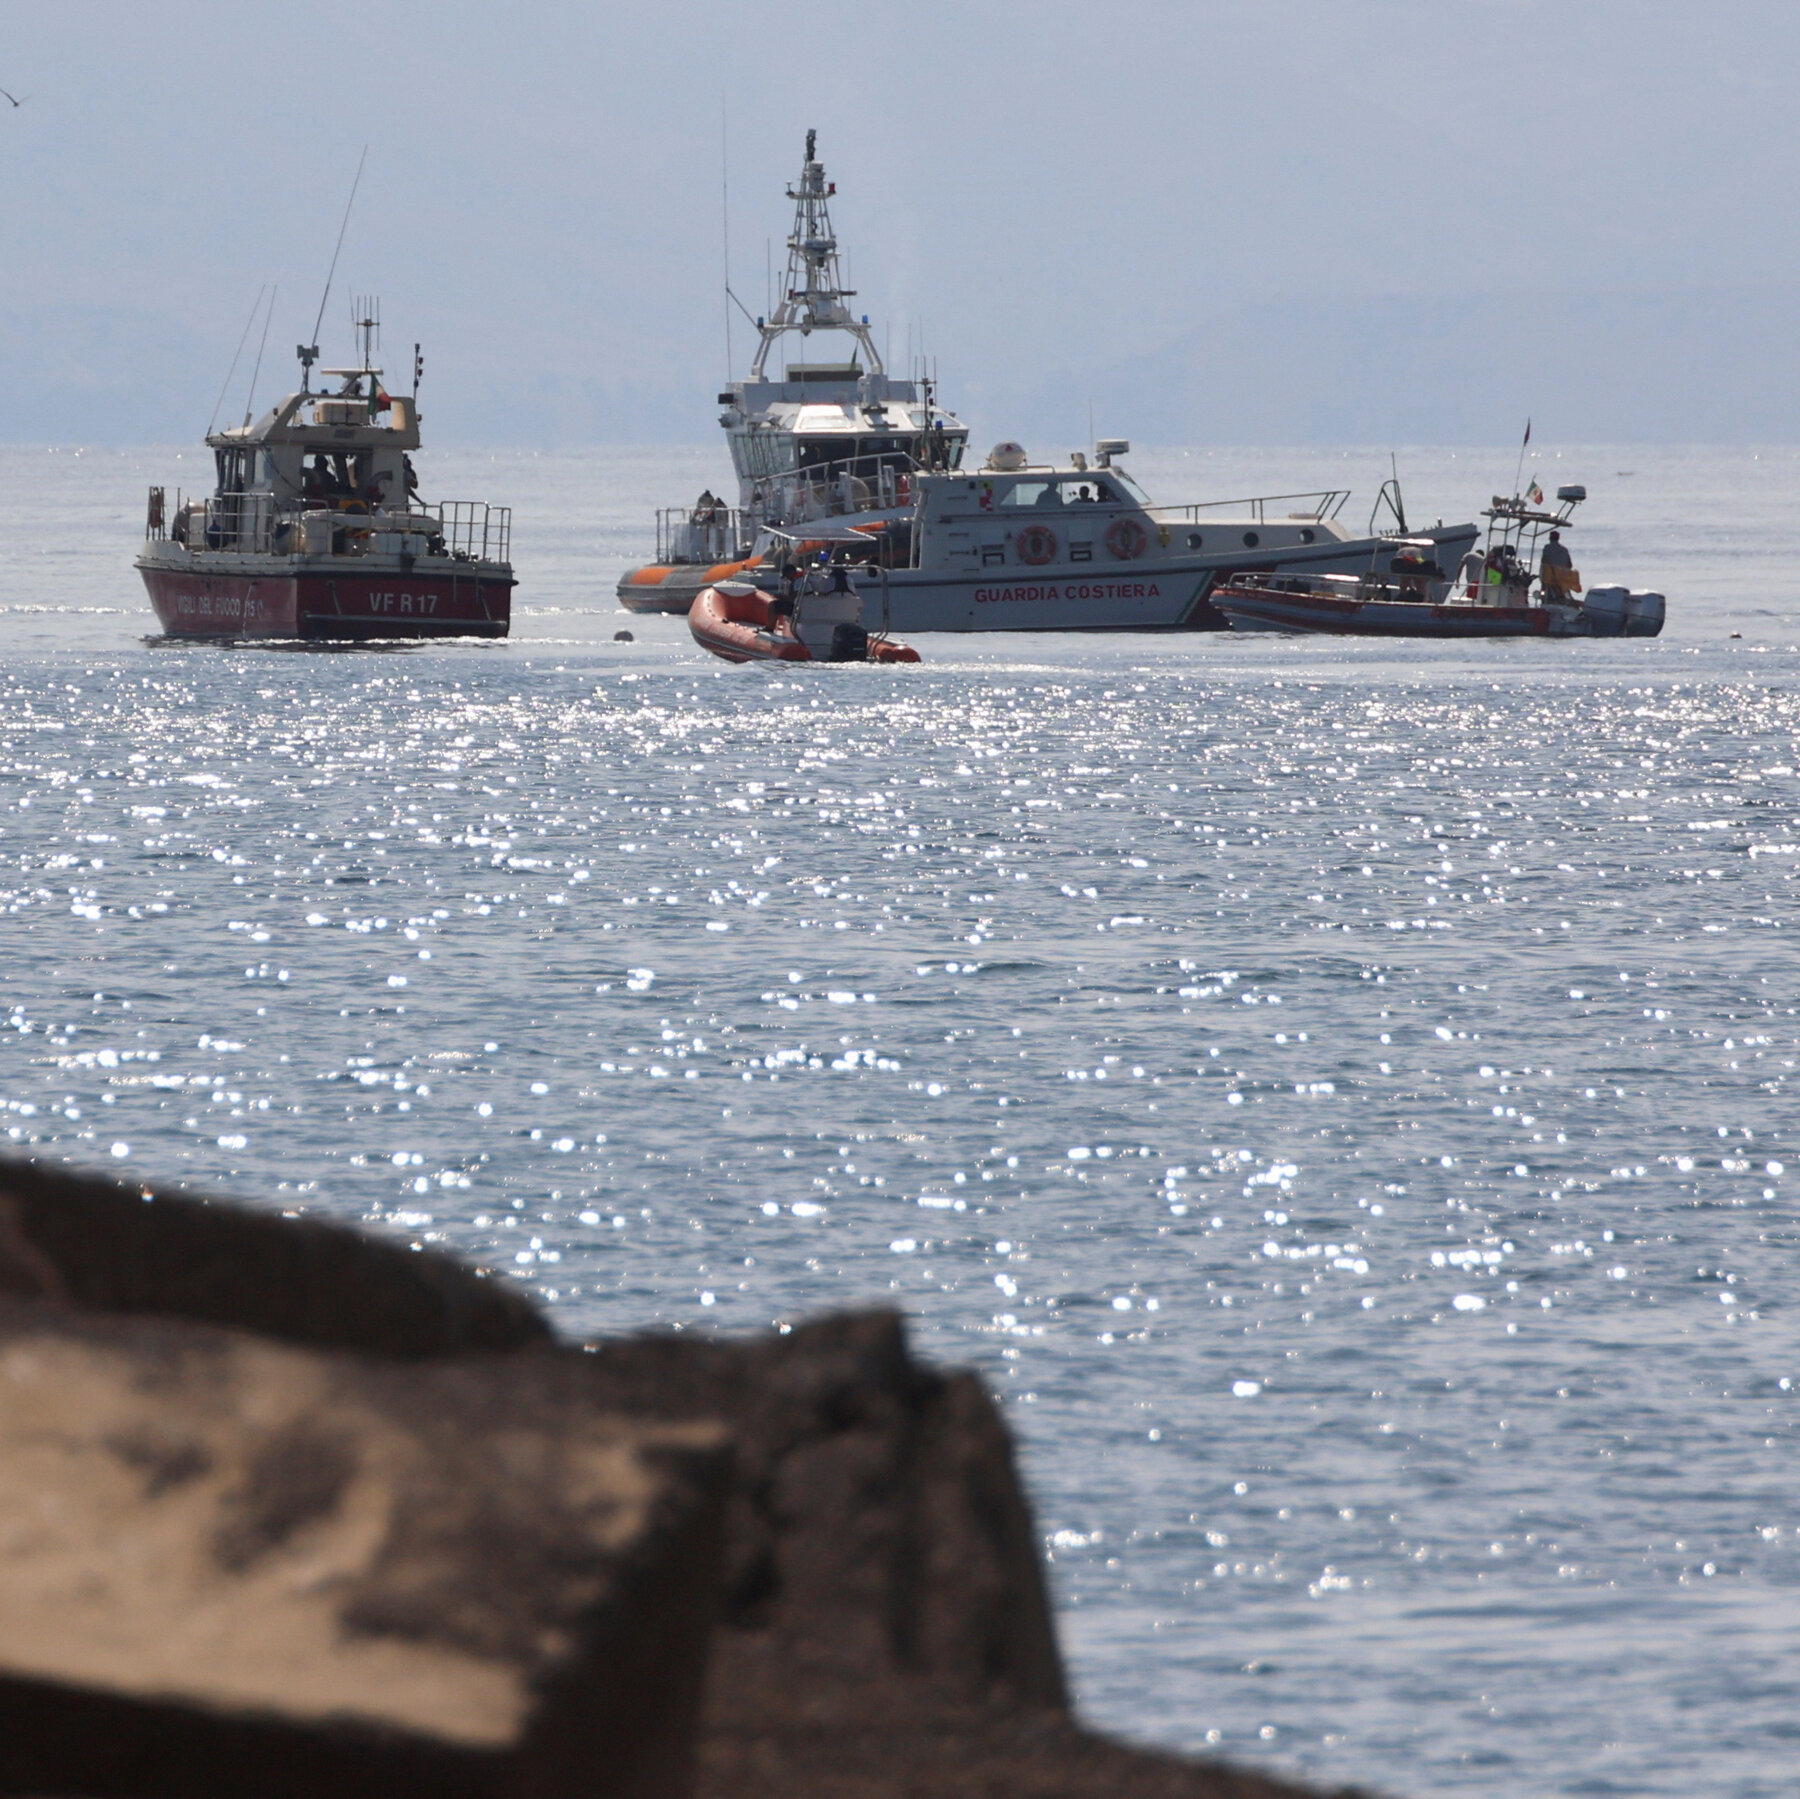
x=1339, y=1094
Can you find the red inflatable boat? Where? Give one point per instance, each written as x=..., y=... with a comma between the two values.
x=742, y=623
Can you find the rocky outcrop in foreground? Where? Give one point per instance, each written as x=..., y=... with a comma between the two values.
x=287, y=1510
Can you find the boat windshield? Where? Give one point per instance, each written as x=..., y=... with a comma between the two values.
x=860, y=455
x=1132, y=490
x=1072, y=490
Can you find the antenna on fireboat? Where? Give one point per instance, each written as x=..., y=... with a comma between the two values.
x=367, y=327
x=256, y=307
x=309, y=353
x=250, y=397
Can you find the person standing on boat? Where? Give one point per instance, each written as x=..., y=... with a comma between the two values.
x=1469, y=577
x=1556, y=569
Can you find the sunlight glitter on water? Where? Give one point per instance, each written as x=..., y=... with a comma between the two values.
x=1341, y=1101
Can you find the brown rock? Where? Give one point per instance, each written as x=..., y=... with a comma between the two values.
x=234, y=1567
x=111, y=1246
x=887, y=1632
x=877, y=1528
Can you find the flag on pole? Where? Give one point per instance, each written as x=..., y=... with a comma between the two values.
x=1535, y=494
x=1527, y=433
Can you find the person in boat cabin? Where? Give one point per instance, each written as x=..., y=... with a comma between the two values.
x=367, y=483
x=1556, y=567
x=321, y=482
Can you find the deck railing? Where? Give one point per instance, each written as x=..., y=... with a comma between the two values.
x=251, y=523
x=1327, y=504
x=474, y=530
x=701, y=533
x=240, y=521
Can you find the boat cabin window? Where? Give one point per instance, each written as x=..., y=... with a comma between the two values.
x=864, y=457
x=335, y=475
x=234, y=469
x=823, y=452
x=327, y=476
x=1068, y=490
x=762, y=455
x=768, y=455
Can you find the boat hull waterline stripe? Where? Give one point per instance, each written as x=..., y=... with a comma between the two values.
x=330, y=604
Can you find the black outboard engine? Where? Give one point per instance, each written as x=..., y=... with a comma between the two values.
x=849, y=643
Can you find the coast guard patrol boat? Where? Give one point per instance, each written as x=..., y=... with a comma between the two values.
x=1014, y=546
x=820, y=442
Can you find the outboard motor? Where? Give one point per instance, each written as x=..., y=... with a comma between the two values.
x=1643, y=614
x=849, y=643
x=819, y=618
x=1603, y=611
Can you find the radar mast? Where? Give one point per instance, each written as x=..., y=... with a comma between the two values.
x=813, y=293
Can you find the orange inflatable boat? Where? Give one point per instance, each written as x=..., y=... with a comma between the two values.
x=742, y=623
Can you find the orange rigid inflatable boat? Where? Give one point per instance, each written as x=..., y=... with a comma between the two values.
x=740, y=622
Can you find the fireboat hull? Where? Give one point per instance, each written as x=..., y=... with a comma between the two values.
x=323, y=599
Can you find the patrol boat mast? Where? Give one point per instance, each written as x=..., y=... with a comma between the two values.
x=813, y=294
x=810, y=441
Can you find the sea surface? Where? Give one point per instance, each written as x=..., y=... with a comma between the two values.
x=1341, y=1095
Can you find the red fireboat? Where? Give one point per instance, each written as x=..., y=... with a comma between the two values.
x=315, y=530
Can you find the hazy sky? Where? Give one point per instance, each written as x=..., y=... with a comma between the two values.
x=1245, y=221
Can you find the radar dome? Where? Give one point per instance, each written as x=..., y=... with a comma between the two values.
x=1006, y=457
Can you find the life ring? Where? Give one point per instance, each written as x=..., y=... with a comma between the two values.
x=1127, y=539
x=1036, y=545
